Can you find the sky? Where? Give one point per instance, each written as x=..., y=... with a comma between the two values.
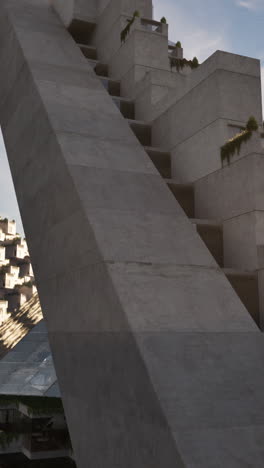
x=202, y=26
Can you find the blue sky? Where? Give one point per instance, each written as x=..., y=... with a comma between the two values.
x=202, y=26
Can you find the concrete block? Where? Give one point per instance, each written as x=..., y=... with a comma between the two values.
x=222, y=395
x=142, y=51
x=128, y=403
x=240, y=244
x=221, y=97
x=87, y=151
x=246, y=286
x=231, y=191
x=112, y=21
x=183, y=311
x=123, y=191
x=126, y=227
x=235, y=195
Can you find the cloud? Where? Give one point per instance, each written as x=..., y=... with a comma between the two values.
x=201, y=41
x=253, y=5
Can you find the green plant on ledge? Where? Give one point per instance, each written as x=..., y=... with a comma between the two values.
x=178, y=44
x=234, y=144
x=163, y=20
x=195, y=63
x=126, y=30
x=179, y=63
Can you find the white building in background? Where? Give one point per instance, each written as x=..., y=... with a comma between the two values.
x=16, y=273
x=4, y=314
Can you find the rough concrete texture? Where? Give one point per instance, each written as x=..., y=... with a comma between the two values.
x=69, y=10
x=112, y=21
x=158, y=361
x=222, y=94
x=234, y=194
x=142, y=52
x=224, y=89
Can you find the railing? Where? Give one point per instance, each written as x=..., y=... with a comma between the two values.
x=171, y=48
x=151, y=25
x=175, y=52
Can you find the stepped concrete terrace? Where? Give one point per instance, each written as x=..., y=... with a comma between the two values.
x=156, y=346
x=19, y=324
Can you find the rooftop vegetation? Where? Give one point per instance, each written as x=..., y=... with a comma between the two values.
x=179, y=63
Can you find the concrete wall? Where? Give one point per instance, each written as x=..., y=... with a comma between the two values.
x=68, y=10
x=88, y=9
x=156, y=91
x=235, y=194
x=102, y=4
x=215, y=104
x=143, y=51
x=113, y=20
x=196, y=126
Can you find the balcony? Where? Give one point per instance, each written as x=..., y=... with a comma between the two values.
x=151, y=25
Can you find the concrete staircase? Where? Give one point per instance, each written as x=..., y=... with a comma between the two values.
x=245, y=283
x=20, y=324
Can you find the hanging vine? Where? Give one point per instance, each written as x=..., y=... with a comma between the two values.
x=234, y=144
x=126, y=30
x=180, y=63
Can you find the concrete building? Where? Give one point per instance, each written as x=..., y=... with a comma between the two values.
x=32, y=422
x=16, y=273
x=146, y=244
x=3, y=311
x=30, y=407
